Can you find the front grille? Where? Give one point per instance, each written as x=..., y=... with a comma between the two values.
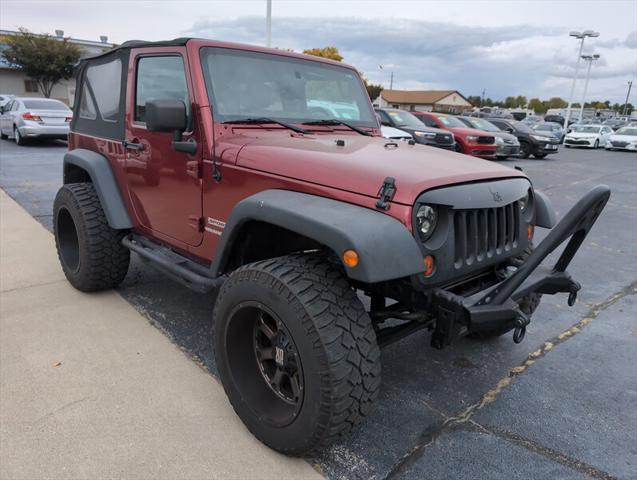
x=486, y=140
x=443, y=138
x=482, y=233
x=576, y=142
x=619, y=144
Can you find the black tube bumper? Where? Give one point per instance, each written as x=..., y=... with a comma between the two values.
x=498, y=306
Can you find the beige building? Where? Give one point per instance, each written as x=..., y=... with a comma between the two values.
x=14, y=82
x=450, y=101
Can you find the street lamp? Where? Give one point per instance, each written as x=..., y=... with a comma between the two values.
x=589, y=59
x=580, y=36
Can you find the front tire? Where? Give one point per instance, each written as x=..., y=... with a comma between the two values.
x=596, y=144
x=90, y=251
x=296, y=352
x=525, y=150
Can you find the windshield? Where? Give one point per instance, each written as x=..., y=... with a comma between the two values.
x=404, y=119
x=245, y=85
x=632, y=131
x=44, y=105
x=481, y=124
x=584, y=129
x=451, y=122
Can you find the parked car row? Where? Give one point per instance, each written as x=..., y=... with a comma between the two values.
x=24, y=118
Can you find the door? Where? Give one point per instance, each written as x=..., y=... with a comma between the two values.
x=5, y=119
x=165, y=185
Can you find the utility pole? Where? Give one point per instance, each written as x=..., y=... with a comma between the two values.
x=391, y=81
x=580, y=36
x=630, y=85
x=268, y=24
x=589, y=59
x=484, y=91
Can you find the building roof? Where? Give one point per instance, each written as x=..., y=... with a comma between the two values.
x=417, y=97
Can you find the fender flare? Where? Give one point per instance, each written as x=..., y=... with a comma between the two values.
x=544, y=212
x=386, y=249
x=99, y=169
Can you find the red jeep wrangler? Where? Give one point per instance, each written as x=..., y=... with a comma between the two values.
x=261, y=174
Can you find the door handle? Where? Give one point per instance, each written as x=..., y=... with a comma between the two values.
x=133, y=145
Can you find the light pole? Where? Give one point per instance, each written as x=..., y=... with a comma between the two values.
x=268, y=24
x=391, y=77
x=630, y=85
x=580, y=36
x=589, y=59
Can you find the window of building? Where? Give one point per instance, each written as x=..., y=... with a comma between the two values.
x=160, y=78
x=30, y=86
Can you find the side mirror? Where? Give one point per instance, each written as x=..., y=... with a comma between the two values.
x=170, y=116
x=166, y=116
x=509, y=129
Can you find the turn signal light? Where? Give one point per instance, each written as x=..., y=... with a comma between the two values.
x=529, y=231
x=350, y=258
x=430, y=266
x=30, y=116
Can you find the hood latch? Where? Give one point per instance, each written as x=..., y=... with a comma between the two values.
x=386, y=193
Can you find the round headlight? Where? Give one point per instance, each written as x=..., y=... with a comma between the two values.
x=524, y=202
x=426, y=218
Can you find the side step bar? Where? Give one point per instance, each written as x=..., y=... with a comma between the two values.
x=176, y=266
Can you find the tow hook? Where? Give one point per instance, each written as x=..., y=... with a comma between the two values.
x=574, y=288
x=520, y=327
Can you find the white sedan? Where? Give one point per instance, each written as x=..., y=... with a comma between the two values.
x=591, y=136
x=623, y=139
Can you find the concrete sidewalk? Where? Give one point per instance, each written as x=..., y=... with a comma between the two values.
x=89, y=389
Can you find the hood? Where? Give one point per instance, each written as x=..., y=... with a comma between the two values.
x=623, y=138
x=424, y=128
x=504, y=136
x=361, y=164
x=582, y=134
x=470, y=131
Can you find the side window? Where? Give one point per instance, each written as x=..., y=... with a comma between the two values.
x=103, y=81
x=15, y=106
x=384, y=119
x=160, y=78
x=430, y=122
x=8, y=106
x=87, y=106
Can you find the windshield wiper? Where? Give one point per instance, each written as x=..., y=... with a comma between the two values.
x=254, y=121
x=334, y=121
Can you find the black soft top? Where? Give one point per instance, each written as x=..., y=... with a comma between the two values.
x=180, y=42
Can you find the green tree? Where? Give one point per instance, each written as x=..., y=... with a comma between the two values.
x=45, y=59
x=556, y=102
x=475, y=100
x=326, y=52
x=373, y=89
x=537, y=105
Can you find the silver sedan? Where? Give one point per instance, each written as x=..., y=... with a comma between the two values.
x=26, y=118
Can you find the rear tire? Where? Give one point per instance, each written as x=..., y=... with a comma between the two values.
x=90, y=251
x=19, y=139
x=329, y=360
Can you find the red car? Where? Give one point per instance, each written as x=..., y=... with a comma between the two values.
x=468, y=140
x=245, y=174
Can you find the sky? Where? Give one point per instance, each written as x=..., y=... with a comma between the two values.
x=506, y=47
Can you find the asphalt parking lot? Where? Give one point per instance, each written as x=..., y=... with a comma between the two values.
x=562, y=404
